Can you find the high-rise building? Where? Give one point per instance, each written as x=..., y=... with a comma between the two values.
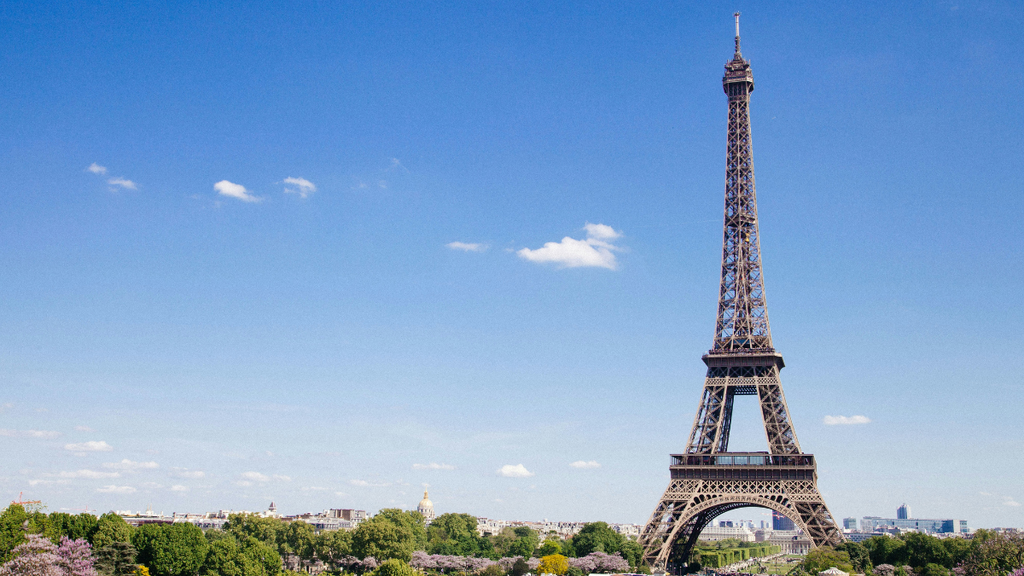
x=781, y=522
x=903, y=512
x=850, y=523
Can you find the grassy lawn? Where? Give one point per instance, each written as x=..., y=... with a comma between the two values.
x=776, y=566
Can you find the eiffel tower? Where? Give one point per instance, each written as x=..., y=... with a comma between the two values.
x=708, y=479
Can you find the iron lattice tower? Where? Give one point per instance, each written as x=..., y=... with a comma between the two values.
x=708, y=480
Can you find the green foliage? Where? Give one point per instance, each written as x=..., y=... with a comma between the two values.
x=116, y=559
x=111, y=528
x=549, y=547
x=395, y=567
x=932, y=569
x=599, y=537
x=332, y=545
x=298, y=538
x=886, y=550
x=455, y=534
x=492, y=570
x=825, y=557
x=230, y=556
x=78, y=527
x=385, y=537
x=11, y=533
x=171, y=549
x=923, y=549
x=711, y=556
x=520, y=568
x=265, y=530
x=860, y=558
x=993, y=554
x=518, y=541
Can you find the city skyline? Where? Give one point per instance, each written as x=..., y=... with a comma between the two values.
x=338, y=253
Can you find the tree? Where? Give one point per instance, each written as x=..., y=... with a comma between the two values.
x=383, y=540
x=455, y=534
x=78, y=527
x=520, y=568
x=549, y=547
x=11, y=531
x=525, y=543
x=597, y=537
x=36, y=557
x=553, y=564
x=266, y=530
x=860, y=558
x=171, y=549
x=298, y=538
x=117, y=559
x=229, y=556
x=923, y=549
x=75, y=557
x=395, y=567
x=333, y=545
x=411, y=519
x=823, y=558
x=111, y=528
x=886, y=550
x=993, y=554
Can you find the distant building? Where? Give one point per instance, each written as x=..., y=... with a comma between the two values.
x=927, y=525
x=850, y=523
x=426, y=508
x=722, y=532
x=903, y=512
x=781, y=522
x=791, y=541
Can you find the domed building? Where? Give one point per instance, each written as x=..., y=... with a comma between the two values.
x=426, y=507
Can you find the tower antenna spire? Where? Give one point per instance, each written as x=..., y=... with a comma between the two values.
x=737, y=16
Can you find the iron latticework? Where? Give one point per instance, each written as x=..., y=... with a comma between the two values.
x=708, y=480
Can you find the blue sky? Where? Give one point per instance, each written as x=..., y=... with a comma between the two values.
x=256, y=297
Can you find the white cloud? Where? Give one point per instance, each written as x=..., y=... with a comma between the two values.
x=44, y=434
x=467, y=246
x=282, y=478
x=595, y=251
x=364, y=483
x=243, y=483
x=517, y=471
x=1009, y=501
x=433, y=466
x=97, y=169
x=46, y=482
x=225, y=188
x=84, y=429
x=601, y=232
x=845, y=420
x=585, y=464
x=255, y=476
x=116, y=489
x=302, y=187
x=123, y=183
x=130, y=466
x=179, y=488
x=91, y=474
x=189, y=474
x=90, y=446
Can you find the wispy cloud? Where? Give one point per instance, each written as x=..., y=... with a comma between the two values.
x=433, y=466
x=225, y=188
x=84, y=429
x=596, y=250
x=299, y=186
x=255, y=477
x=186, y=473
x=122, y=183
x=364, y=483
x=96, y=168
x=1010, y=501
x=514, y=471
x=90, y=474
x=130, y=466
x=116, y=489
x=44, y=434
x=90, y=446
x=585, y=464
x=179, y=488
x=467, y=246
x=845, y=420
x=41, y=482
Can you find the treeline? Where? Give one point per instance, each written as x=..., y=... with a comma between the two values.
x=251, y=545
x=729, y=552
x=987, y=553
